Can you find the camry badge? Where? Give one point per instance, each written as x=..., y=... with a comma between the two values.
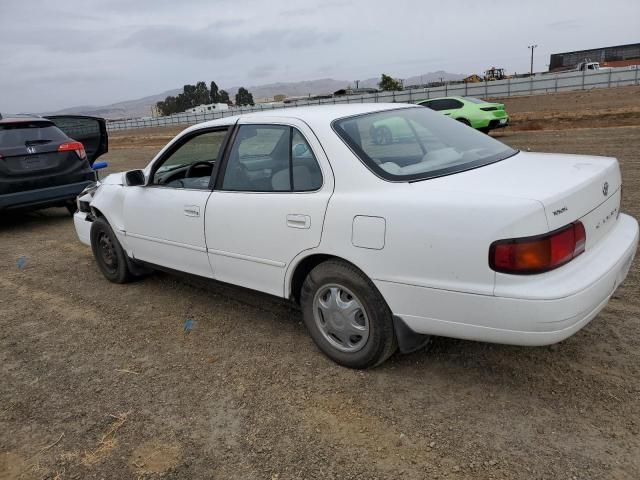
x=605, y=188
x=31, y=149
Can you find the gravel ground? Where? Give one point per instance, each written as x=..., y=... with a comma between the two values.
x=101, y=381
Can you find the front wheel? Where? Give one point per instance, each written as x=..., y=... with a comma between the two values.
x=346, y=316
x=109, y=254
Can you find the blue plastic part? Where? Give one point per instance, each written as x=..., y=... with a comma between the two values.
x=99, y=165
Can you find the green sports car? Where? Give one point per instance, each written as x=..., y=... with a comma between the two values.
x=474, y=112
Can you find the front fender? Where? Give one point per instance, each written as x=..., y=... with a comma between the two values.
x=109, y=203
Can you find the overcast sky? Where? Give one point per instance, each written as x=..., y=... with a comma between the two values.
x=56, y=54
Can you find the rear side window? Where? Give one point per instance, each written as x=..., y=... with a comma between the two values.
x=21, y=134
x=271, y=158
x=443, y=104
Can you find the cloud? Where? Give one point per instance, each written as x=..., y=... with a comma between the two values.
x=212, y=42
x=260, y=72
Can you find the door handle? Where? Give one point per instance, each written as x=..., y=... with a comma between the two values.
x=298, y=221
x=192, y=210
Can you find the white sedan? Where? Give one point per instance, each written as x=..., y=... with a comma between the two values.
x=442, y=231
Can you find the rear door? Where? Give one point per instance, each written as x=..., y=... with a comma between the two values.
x=90, y=131
x=269, y=203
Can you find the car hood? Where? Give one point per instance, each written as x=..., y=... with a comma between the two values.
x=567, y=186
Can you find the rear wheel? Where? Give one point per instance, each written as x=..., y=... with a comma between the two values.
x=109, y=254
x=484, y=130
x=346, y=316
x=465, y=121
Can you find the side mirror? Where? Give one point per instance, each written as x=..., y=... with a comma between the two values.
x=134, y=178
x=99, y=165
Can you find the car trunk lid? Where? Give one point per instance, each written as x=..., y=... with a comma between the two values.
x=569, y=187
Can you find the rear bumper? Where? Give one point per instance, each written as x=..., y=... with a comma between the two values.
x=521, y=320
x=498, y=123
x=42, y=197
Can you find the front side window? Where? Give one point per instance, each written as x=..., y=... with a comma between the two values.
x=271, y=158
x=416, y=144
x=192, y=163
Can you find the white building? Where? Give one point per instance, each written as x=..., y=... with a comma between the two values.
x=211, y=107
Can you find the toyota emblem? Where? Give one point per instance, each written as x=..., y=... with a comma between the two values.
x=605, y=188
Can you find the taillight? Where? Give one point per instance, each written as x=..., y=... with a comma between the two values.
x=538, y=254
x=76, y=147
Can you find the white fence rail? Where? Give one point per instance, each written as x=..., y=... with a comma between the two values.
x=535, y=85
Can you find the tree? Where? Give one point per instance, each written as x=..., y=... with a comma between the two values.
x=214, y=94
x=194, y=95
x=201, y=95
x=389, y=84
x=243, y=97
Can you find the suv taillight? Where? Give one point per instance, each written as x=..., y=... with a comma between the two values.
x=76, y=147
x=529, y=255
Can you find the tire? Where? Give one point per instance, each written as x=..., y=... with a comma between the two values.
x=71, y=207
x=109, y=254
x=335, y=294
x=485, y=130
x=465, y=121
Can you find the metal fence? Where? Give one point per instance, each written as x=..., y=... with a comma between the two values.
x=535, y=85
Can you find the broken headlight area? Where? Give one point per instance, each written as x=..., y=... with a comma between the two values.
x=84, y=199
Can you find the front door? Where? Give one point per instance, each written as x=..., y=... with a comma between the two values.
x=268, y=205
x=164, y=219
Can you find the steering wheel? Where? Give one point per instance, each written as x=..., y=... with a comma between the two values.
x=194, y=165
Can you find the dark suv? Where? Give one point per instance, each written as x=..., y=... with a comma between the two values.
x=47, y=161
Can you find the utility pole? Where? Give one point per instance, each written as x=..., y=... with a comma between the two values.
x=532, y=48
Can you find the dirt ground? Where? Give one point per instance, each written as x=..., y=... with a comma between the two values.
x=101, y=381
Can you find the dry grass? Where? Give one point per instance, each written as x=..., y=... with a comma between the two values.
x=107, y=442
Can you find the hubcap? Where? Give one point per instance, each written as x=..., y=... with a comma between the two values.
x=107, y=252
x=341, y=318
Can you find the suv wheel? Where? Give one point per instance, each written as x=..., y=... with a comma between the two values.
x=346, y=316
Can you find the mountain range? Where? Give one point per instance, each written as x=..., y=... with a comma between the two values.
x=141, y=107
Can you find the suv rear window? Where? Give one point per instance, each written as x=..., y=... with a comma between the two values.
x=417, y=143
x=21, y=134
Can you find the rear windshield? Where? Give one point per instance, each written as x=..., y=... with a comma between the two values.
x=417, y=143
x=21, y=134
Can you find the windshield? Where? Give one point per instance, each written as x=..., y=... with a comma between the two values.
x=417, y=143
x=474, y=100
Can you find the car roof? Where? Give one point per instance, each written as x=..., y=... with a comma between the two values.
x=456, y=97
x=311, y=114
x=15, y=118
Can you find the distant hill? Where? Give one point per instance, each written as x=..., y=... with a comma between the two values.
x=141, y=107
